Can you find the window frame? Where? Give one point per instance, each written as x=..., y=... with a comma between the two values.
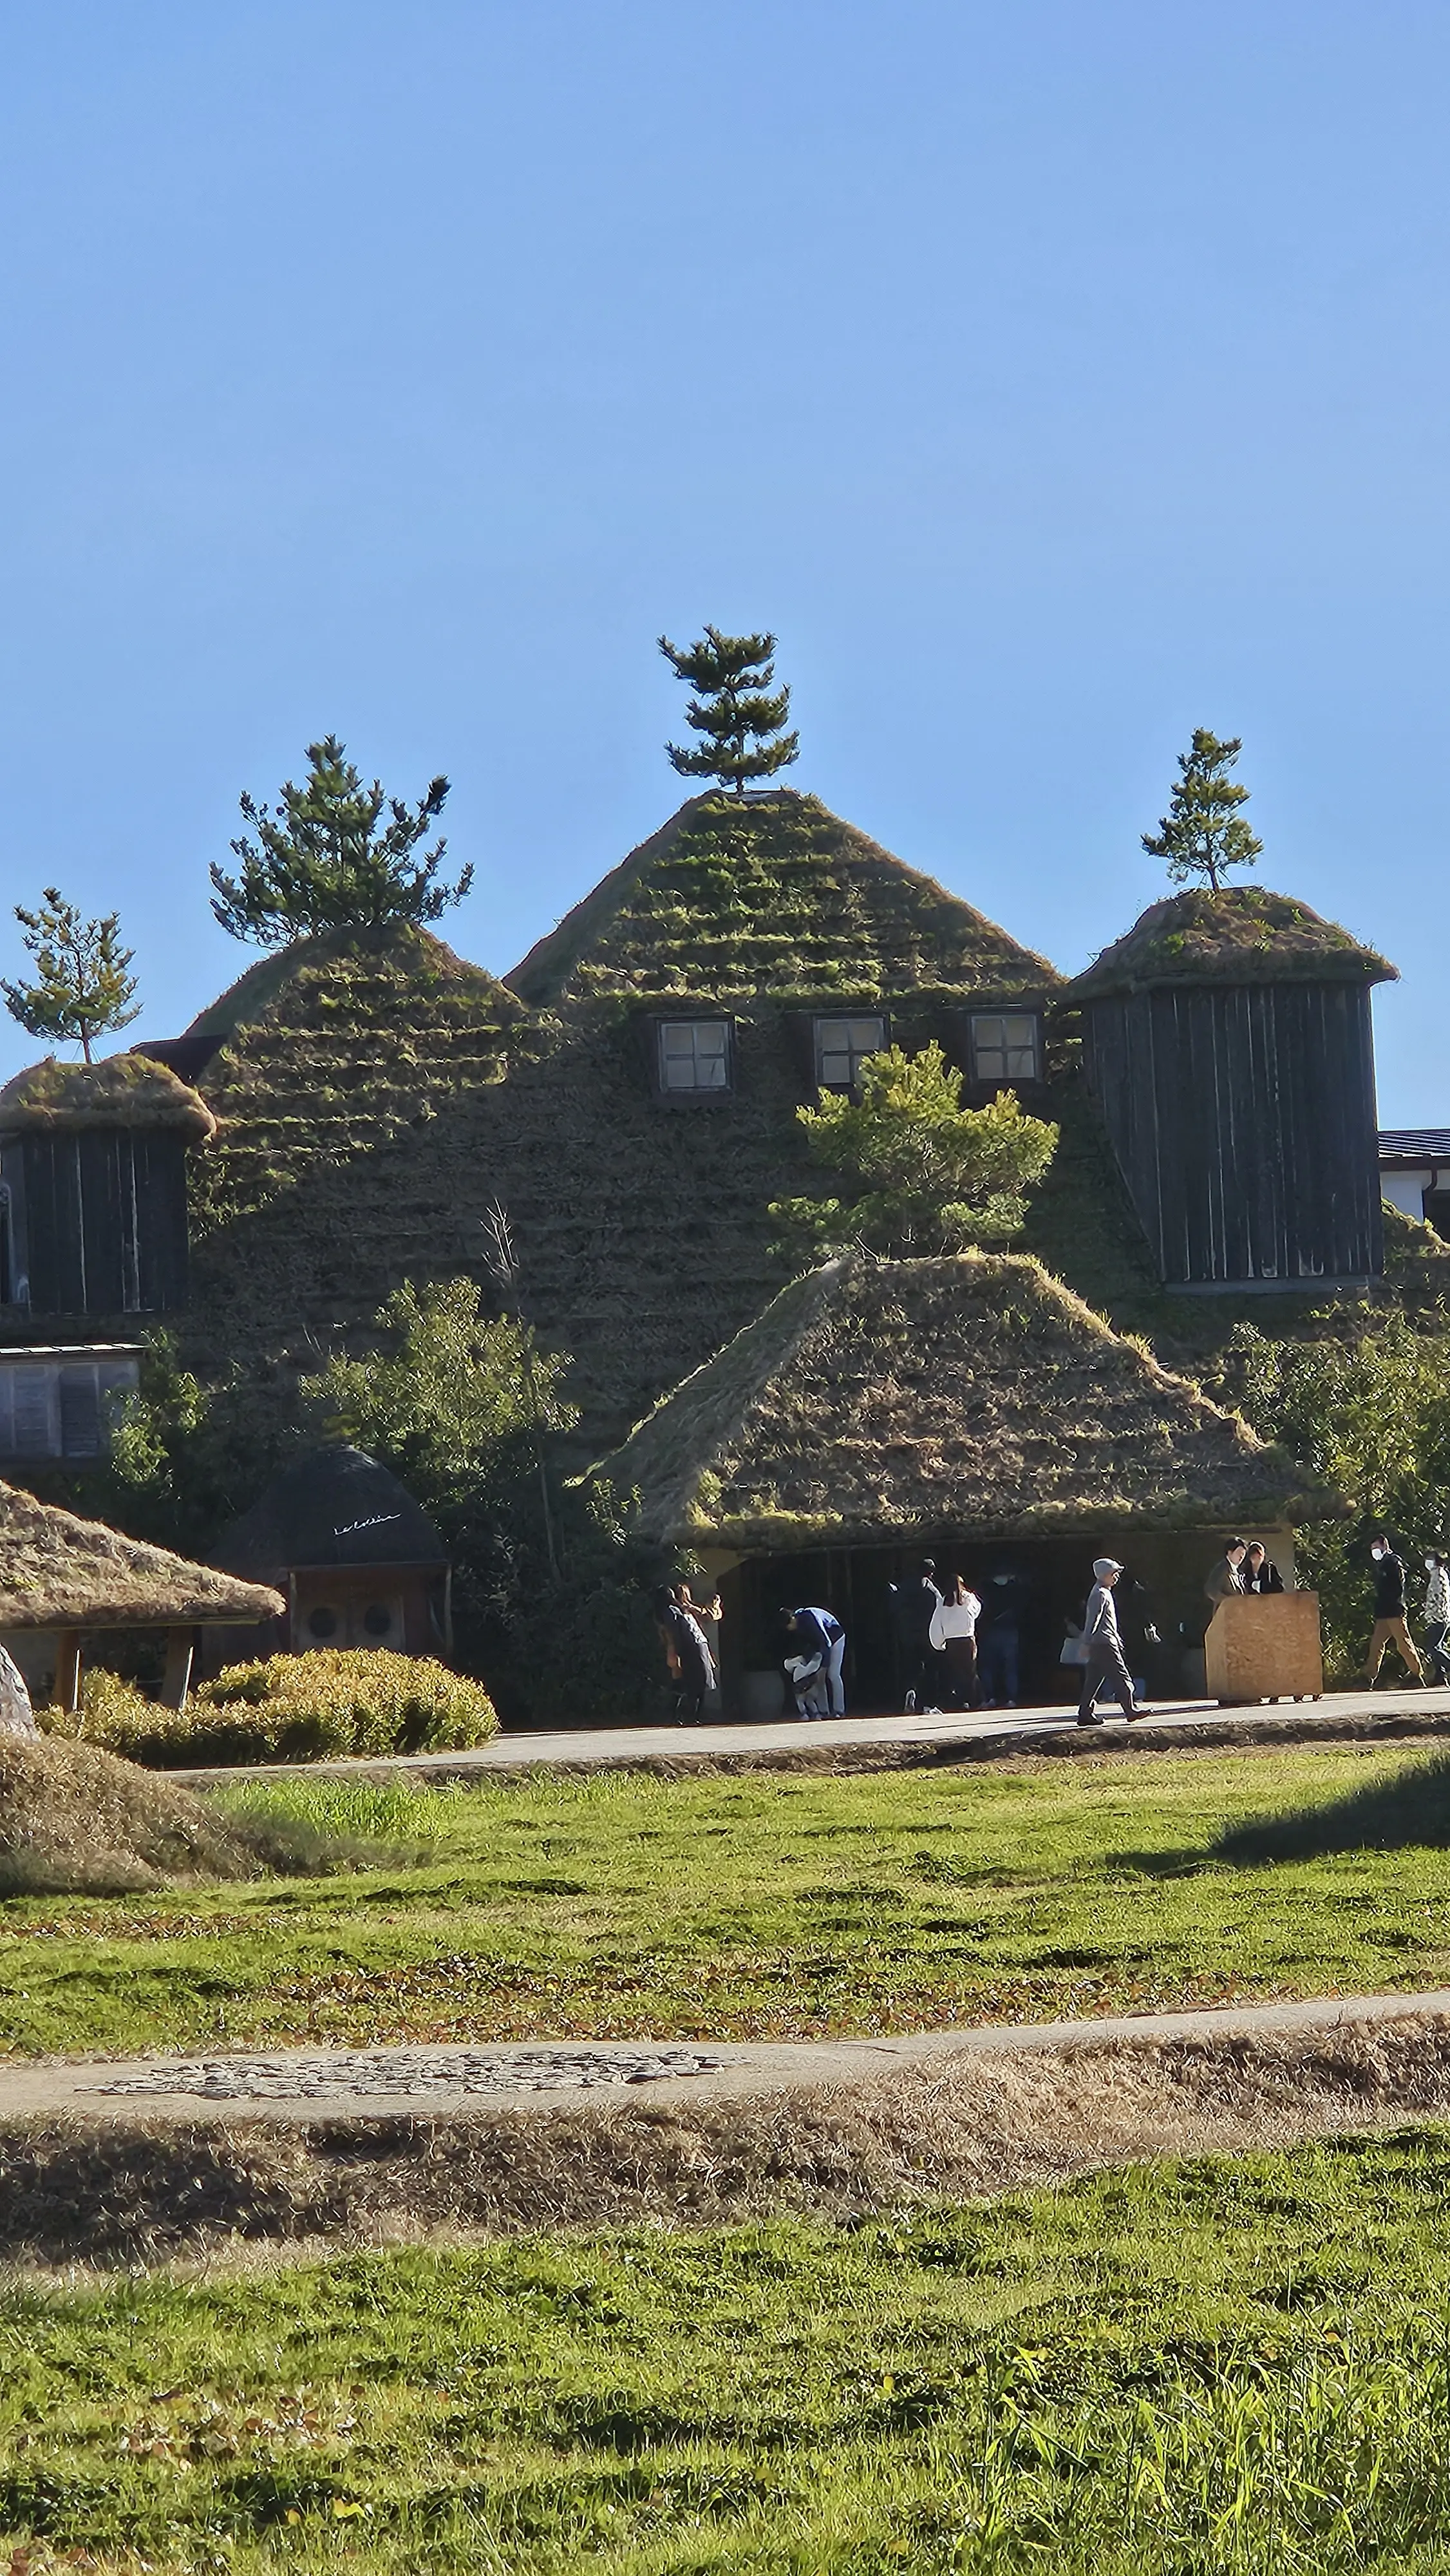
x=855, y=1057
x=1000, y=1015
x=693, y=1095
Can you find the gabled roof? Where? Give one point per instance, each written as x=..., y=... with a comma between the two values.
x=773, y=895
x=336, y=1506
x=1241, y=935
x=876, y=1400
x=127, y=1090
x=58, y=1571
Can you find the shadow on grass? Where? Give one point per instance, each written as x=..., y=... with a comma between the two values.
x=1412, y=1808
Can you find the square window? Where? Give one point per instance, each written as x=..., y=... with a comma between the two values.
x=842, y=1047
x=694, y=1055
x=1006, y=1046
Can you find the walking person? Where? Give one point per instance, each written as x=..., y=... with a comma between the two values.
x=999, y=1640
x=1437, y=1611
x=1104, y=1668
x=954, y=1635
x=915, y=1603
x=686, y=1653
x=820, y=1650
x=1389, y=1613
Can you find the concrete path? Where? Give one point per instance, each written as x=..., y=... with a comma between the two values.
x=780, y=1742
x=461, y=2079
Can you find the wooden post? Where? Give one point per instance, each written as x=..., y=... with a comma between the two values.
x=176, y=1680
x=68, y=1670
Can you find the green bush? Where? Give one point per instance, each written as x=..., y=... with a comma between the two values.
x=295, y=1708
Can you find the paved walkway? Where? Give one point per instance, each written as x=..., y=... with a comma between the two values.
x=461, y=2078
x=778, y=1742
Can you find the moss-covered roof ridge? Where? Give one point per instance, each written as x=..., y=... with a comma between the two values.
x=59, y=1571
x=122, y=1090
x=773, y=896
x=876, y=1399
x=1243, y=934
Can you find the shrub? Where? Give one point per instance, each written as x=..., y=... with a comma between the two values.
x=296, y=1708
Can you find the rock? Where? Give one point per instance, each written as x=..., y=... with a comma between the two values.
x=17, y=1717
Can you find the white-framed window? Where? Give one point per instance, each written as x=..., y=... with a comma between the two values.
x=842, y=1047
x=1006, y=1046
x=694, y=1055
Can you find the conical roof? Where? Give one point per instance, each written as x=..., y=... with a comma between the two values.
x=336, y=1506
x=59, y=1571
x=774, y=895
x=876, y=1400
x=1241, y=935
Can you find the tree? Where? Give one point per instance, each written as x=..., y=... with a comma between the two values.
x=924, y=1174
x=325, y=859
x=734, y=711
x=1203, y=831
x=82, y=988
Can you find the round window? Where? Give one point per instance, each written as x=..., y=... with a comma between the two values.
x=322, y=1622
x=377, y=1619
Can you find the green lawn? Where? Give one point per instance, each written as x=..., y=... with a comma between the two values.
x=773, y=1905
x=1179, y=2368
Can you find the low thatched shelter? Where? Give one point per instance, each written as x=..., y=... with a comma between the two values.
x=355, y=1556
x=970, y=1406
x=61, y=1577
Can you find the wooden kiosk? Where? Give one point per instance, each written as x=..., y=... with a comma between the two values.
x=1264, y=1645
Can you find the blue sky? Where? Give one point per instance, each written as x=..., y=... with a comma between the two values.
x=1051, y=378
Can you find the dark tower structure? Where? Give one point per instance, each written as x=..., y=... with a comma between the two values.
x=1227, y=1042
x=93, y=1187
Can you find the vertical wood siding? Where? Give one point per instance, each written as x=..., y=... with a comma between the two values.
x=105, y=1218
x=1243, y=1120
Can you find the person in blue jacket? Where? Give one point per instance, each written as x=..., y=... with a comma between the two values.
x=819, y=1641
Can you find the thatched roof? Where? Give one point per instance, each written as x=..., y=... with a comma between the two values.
x=336, y=1506
x=775, y=895
x=128, y=1090
x=1241, y=935
x=58, y=1571
x=876, y=1400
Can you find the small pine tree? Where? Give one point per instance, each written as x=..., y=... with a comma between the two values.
x=82, y=988
x=734, y=710
x=923, y=1174
x=320, y=861
x=1203, y=832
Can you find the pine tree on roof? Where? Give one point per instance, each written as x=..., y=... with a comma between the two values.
x=736, y=711
x=334, y=854
x=1203, y=831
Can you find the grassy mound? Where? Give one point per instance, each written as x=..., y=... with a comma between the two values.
x=74, y=1817
x=296, y=1708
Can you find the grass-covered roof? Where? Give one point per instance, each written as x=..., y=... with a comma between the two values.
x=772, y=896
x=874, y=1401
x=58, y=1571
x=1241, y=935
x=121, y=1091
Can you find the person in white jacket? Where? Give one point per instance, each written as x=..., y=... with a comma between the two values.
x=1437, y=1611
x=954, y=1634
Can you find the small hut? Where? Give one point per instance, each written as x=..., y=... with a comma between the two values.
x=1227, y=1041
x=971, y=1407
x=62, y=1577
x=93, y=1186
x=358, y=1561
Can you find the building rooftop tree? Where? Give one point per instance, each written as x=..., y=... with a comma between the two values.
x=82, y=989
x=742, y=722
x=1203, y=832
x=334, y=854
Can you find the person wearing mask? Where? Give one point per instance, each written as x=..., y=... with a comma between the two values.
x=1389, y=1613
x=1260, y=1573
x=1437, y=1611
x=818, y=1643
x=1104, y=1668
x=915, y=1603
x=686, y=1653
x=1227, y=1576
x=954, y=1635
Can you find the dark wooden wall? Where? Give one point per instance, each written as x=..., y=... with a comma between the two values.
x=104, y=1220
x=1243, y=1118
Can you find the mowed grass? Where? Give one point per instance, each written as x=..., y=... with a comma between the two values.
x=771, y=1905
x=1167, y=2370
